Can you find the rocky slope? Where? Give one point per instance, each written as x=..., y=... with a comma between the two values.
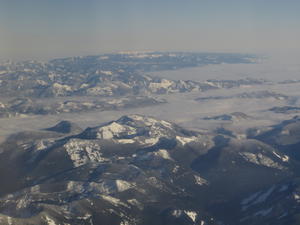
x=142, y=170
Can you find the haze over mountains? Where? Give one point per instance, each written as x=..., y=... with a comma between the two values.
x=110, y=75
x=108, y=139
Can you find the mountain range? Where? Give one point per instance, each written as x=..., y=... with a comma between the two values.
x=142, y=170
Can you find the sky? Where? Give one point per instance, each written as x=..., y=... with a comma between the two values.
x=43, y=29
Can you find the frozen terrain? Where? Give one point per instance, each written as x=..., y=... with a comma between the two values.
x=281, y=80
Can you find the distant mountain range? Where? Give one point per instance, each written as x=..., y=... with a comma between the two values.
x=235, y=116
x=249, y=95
x=120, y=80
x=22, y=107
x=106, y=75
x=285, y=109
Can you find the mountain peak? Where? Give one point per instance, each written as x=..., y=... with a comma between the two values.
x=135, y=126
x=66, y=127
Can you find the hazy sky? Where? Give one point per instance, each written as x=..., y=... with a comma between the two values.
x=55, y=28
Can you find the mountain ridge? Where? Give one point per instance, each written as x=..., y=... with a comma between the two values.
x=137, y=170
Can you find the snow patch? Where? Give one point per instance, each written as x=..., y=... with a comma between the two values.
x=126, y=141
x=163, y=154
x=151, y=141
x=284, y=158
x=114, y=201
x=49, y=221
x=260, y=159
x=285, y=132
x=2, y=106
x=177, y=213
x=185, y=140
x=192, y=215
x=175, y=169
x=113, y=129
x=136, y=203
x=123, y=185
x=296, y=196
x=164, y=84
x=200, y=181
x=75, y=187
x=60, y=89
x=257, y=198
x=85, y=217
x=106, y=72
x=263, y=197
x=166, y=124
x=43, y=144
x=83, y=151
x=9, y=220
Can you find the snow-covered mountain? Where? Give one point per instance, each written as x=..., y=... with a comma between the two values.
x=121, y=80
x=140, y=170
x=107, y=75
